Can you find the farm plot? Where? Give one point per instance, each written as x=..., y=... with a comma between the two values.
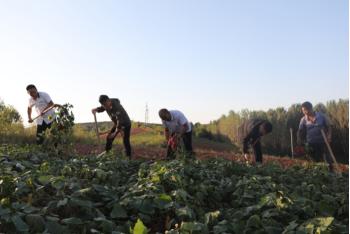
x=79, y=194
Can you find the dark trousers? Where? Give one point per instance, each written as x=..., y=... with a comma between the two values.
x=257, y=152
x=187, y=140
x=318, y=152
x=126, y=141
x=40, y=131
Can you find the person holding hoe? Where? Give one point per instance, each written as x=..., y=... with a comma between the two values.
x=120, y=119
x=44, y=107
x=311, y=126
x=176, y=126
x=250, y=133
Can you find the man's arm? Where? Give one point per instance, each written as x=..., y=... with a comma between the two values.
x=47, y=107
x=98, y=110
x=252, y=137
x=246, y=144
x=116, y=123
x=166, y=133
x=29, y=111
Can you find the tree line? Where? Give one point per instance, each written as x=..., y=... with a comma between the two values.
x=279, y=141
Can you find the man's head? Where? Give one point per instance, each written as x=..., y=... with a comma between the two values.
x=164, y=114
x=32, y=91
x=306, y=108
x=265, y=128
x=105, y=102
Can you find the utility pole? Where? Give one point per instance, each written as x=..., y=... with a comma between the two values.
x=146, y=115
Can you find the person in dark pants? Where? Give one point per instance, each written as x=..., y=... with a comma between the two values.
x=42, y=102
x=121, y=121
x=176, y=126
x=250, y=133
x=309, y=133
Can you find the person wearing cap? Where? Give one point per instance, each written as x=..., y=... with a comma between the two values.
x=310, y=134
x=120, y=119
x=176, y=126
x=250, y=133
x=42, y=103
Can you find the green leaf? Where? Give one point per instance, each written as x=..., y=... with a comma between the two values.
x=185, y=213
x=140, y=228
x=58, y=182
x=247, y=211
x=164, y=197
x=18, y=206
x=35, y=222
x=82, y=192
x=254, y=221
x=268, y=200
x=118, y=212
x=72, y=220
x=211, y=218
x=320, y=224
x=56, y=228
x=107, y=226
x=82, y=203
x=194, y=227
x=45, y=179
x=4, y=211
x=327, y=207
x=223, y=227
x=146, y=207
x=62, y=202
x=30, y=209
x=273, y=230
x=163, y=201
x=19, y=224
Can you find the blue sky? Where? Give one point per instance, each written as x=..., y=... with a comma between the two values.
x=201, y=57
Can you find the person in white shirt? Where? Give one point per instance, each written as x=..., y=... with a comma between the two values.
x=176, y=125
x=42, y=102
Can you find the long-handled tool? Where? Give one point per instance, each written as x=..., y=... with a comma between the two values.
x=44, y=112
x=102, y=133
x=98, y=137
x=291, y=142
x=101, y=154
x=96, y=128
x=330, y=150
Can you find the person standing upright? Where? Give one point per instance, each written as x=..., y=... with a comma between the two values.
x=310, y=134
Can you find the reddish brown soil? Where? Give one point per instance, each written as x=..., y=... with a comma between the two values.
x=152, y=153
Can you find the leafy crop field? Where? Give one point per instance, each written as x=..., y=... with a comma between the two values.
x=43, y=193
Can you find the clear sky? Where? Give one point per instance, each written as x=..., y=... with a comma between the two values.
x=201, y=57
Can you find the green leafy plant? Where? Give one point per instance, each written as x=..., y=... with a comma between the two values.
x=60, y=135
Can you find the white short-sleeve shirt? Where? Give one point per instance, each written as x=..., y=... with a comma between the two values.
x=178, y=119
x=40, y=104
